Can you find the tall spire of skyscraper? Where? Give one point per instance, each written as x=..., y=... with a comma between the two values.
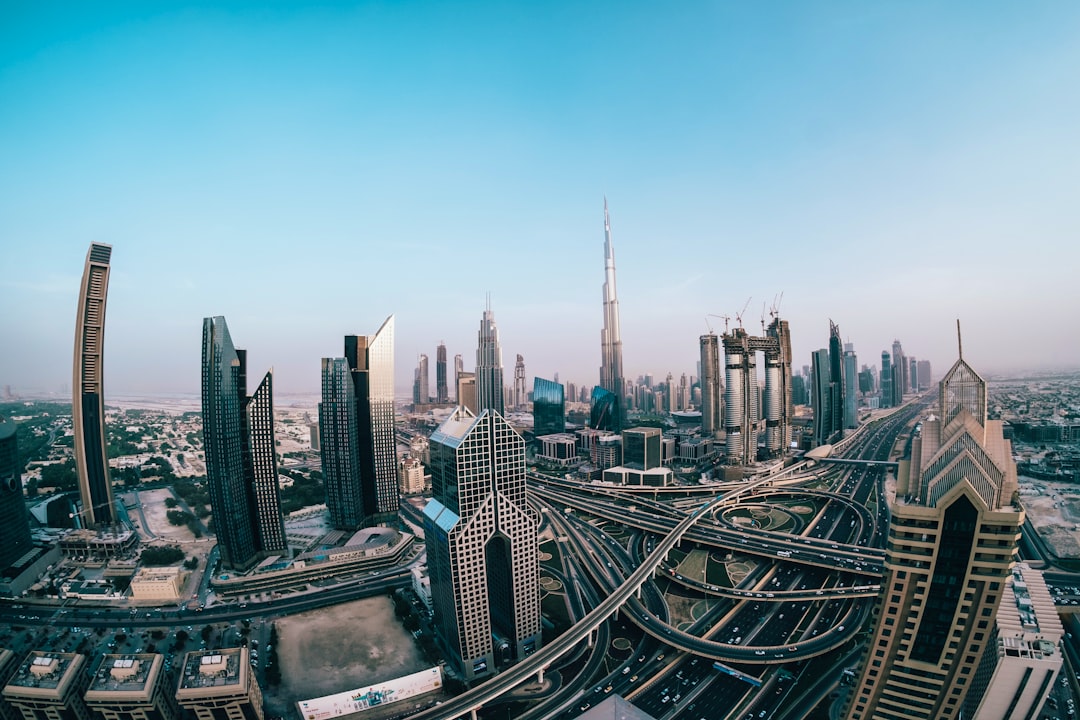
x=489, y=369
x=611, y=375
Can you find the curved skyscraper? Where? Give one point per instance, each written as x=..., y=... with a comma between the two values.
x=611, y=370
x=87, y=400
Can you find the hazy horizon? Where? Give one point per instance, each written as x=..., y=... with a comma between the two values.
x=307, y=172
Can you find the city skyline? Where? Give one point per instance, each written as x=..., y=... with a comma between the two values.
x=737, y=148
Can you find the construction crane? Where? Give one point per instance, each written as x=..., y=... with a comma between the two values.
x=774, y=311
x=725, y=318
x=738, y=315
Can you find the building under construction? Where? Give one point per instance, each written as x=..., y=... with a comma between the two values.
x=746, y=411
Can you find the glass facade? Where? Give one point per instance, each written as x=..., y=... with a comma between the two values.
x=371, y=361
x=14, y=522
x=549, y=407
x=241, y=465
x=339, y=446
x=604, y=411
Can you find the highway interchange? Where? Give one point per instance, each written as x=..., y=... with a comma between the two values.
x=771, y=643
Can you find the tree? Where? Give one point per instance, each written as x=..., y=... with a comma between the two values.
x=171, y=502
x=161, y=555
x=191, y=563
x=179, y=517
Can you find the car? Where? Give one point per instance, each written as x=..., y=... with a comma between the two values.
x=625, y=670
x=633, y=678
x=759, y=652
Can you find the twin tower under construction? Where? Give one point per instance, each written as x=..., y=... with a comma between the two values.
x=742, y=418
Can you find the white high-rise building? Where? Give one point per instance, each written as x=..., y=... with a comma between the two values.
x=481, y=541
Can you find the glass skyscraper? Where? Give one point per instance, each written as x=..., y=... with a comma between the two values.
x=483, y=560
x=241, y=465
x=88, y=400
x=549, y=407
x=15, y=538
x=371, y=362
x=339, y=443
x=604, y=409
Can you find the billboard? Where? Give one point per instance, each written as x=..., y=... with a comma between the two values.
x=353, y=701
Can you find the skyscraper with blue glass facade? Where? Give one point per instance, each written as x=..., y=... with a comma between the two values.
x=549, y=407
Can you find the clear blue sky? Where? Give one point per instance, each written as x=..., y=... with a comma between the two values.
x=306, y=172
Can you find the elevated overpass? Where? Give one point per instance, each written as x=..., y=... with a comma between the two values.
x=471, y=700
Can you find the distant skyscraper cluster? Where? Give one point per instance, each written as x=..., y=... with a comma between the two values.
x=955, y=524
x=241, y=462
x=88, y=400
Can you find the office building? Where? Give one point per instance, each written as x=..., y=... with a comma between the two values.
x=1024, y=657
x=886, y=380
x=923, y=372
x=411, y=476
x=900, y=374
x=371, y=359
x=421, y=386
x=8, y=665
x=520, y=398
x=489, y=369
x=603, y=409
x=711, y=390
x=851, y=387
x=219, y=685
x=88, y=399
x=442, y=395
x=132, y=687
x=836, y=382
x=611, y=370
x=821, y=397
x=15, y=538
x=641, y=448
x=950, y=552
x=481, y=542
x=241, y=462
x=459, y=367
x=466, y=391
x=49, y=686
x=340, y=445
x=549, y=408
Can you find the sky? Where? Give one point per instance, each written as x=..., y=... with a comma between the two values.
x=308, y=170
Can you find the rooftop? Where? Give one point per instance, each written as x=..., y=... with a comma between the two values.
x=44, y=670
x=124, y=673
x=212, y=668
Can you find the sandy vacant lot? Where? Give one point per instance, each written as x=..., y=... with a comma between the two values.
x=153, y=502
x=340, y=648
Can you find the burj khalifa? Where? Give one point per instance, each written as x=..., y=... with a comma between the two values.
x=611, y=369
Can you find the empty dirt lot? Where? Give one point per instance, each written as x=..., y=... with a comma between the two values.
x=340, y=648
